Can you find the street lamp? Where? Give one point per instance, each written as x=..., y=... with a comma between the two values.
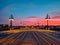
x=11, y=20
x=47, y=18
x=37, y=23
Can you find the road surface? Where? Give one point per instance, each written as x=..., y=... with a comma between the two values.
x=28, y=38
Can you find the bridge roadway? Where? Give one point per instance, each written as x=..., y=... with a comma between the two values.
x=29, y=38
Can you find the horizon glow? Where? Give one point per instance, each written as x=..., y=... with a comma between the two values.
x=35, y=22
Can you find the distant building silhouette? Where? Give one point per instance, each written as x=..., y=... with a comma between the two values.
x=4, y=27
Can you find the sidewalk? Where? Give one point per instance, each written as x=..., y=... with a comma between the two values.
x=31, y=30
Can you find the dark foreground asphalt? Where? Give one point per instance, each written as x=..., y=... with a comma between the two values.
x=28, y=38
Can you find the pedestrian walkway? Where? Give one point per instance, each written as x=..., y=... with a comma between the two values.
x=33, y=30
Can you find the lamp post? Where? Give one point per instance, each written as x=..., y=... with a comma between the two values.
x=11, y=20
x=37, y=23
x=47, y=18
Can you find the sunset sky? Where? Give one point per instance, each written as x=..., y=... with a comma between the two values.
x=22, y=9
